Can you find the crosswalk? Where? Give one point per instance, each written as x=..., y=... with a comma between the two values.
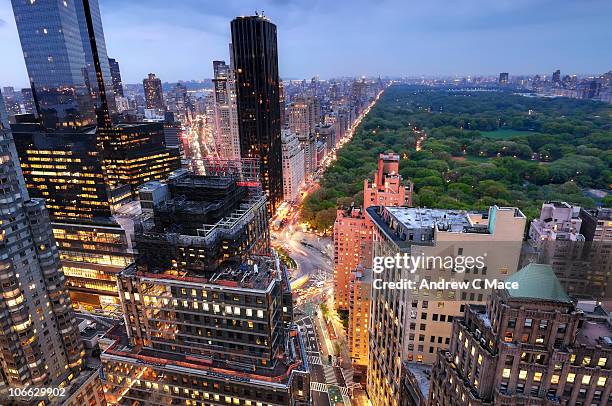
x=318, y=386
x=324, y=387
x=315, y=360
x=330, y=375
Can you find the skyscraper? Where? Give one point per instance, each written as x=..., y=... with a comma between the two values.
x=39, y=338
x=556, y=76
x=154, y=95
x=65, y=54
x=257, y=95
x=84, y=173
x=227, y=142
x=503, y=78
x=116, y=77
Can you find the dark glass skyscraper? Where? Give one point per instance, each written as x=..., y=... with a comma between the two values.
x=65, y=54
x=257, y=95
x=116, y=77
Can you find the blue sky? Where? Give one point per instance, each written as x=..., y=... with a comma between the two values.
x=179, y=39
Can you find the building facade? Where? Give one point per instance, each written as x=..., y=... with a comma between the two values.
x=154, y=95
x=227, y=141
x=293, y=166
x=39, y=337
x=529, y=345
x=412, y=324
x=65, y=55
x=255, y=57
x=115, y=73
x=207, y=320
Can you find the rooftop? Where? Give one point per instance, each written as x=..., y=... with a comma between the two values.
x=593, y=333
x=537, y=281
x=413, y=218
x=256, y=273
x=422, y=375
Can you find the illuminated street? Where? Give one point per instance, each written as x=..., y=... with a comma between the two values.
x=312, y=286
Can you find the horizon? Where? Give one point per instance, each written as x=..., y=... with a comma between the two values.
x=475, y=38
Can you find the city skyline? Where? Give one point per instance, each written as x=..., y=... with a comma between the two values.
x=472, y=38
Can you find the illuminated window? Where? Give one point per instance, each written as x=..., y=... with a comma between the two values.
x=586, y=379
x=522, y=374
x=571, y=377
x=506, y=373
x=554, y=379
x=601, y=381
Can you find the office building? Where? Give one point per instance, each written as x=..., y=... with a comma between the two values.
x=201, y=222
x=412, y=324
x=530, y=345
x=65, y=55
x=116, y=77
x=178, y=103
x=154, y=96
x=133, y=154
x=39, y=335
x=227, y=141
x=255, y=57
x=503, y=78
x=556, y=76
x=227, y=311
x=27, y=99
x=575, y=242
x=293, y=166
x=87, y=180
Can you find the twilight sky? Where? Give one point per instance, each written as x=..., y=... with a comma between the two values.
x=178, y=39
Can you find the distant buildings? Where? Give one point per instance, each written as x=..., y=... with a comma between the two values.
x=412, y=324
x=154, y=96
x=255, y=57
x=227, y=140
x=529, y=345
x=293, y=166
x=27, y=98
x=503, y=78
x=116, y=77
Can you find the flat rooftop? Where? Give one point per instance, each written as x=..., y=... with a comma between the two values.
x=422, y=375
x=415, y=218
x=594, y=333
x=255, y=273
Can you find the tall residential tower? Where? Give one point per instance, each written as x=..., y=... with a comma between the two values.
x=257, y=94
